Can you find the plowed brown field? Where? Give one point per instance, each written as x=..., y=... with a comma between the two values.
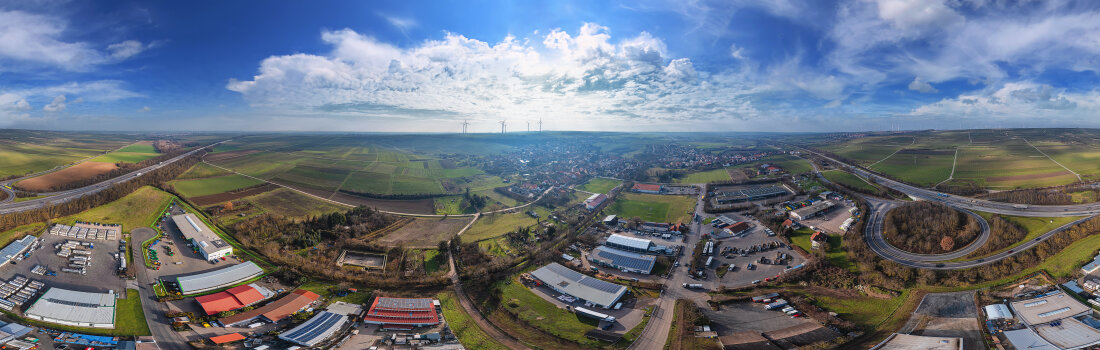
x=74, y=173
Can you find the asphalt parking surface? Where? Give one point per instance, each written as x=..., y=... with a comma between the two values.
x=102, y=273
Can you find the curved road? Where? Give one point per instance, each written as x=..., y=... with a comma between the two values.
x=878, y=208
x=65, y=196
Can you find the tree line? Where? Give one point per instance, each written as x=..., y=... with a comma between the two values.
x=1045, y=196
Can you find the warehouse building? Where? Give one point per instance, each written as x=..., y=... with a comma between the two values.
x=1092, y=266
x=402, y=313
x=14, y=249
x=594, y=201
x=233, y=298
x=630, y=244
x=274, y=311
x=622, y=260
x=811, y=210
x=749, y=194
x=1054, y=321
x=73, y=308
x=219, y=278
x=209, y=244
x=592, y=290
x=322, y=326
x=1051, y=307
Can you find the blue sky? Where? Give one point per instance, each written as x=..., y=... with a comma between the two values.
x=647, y=65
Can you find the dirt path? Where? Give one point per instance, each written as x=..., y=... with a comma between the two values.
x=1052, y=159
x=489, y=328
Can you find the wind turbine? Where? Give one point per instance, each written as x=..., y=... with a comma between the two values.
x=540, y=125
x=465, y=125
x=528, y=126
x=503, y=124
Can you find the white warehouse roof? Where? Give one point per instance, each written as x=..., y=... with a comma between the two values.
x=194, y=229
x=627, y=241
x=997, y=311
x=219, y=278
x=323, y=325
x=1027, y=339
x=70, y=307
x=565, y=280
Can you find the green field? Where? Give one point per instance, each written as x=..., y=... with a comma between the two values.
x=493, y=225
x=1034, y=227
x=1009, y=164
x=653, y=207
x=924, y=167
x=865, y=311
x=135, y=210
x=324, y=289
x=847, y=179
x=599, y=185
x=835, y=253
x=705, y=177
x=537, y=312
x=134, y=153
x=34, y=151
x=202, y=170
x=288, y=203
x=469, y=334
x=129, y=317
x=791, y=164
x=212, y=185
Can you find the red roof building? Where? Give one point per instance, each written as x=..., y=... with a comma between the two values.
x=229, y=300
x=276, y=310
x=416, y=312
x=644, y=188
x=228, y=338
x=738, y=227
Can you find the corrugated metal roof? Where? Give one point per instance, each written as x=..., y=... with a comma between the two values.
x=627, y=241
x=577, y=284
x=73, y=306
x=323, y=325
x=219, y=278
x=997, y=311
x=15, y=248
x=623, y=258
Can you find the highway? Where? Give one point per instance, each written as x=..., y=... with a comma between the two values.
x=879, y=207
x=9, y=207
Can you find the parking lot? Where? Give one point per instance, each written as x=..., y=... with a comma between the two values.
x=831, y=220
x=741, y=275
x=627, y=317
x=184, y=260
x=746, y=316
x=102, y=273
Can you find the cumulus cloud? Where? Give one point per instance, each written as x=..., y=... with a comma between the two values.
x=36, y=39
x=57, y=105
x=1023, y=100
x=584, y=77
x=922, y=86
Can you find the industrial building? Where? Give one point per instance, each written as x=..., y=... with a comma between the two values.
x=73, y=308
x=219, y=278
x=898, y=341
x=811, y=210
x=748, y=194
x=594, y=201
x=209, y=244
x=738, y=228
x=611, y=220
x=622, y=260
x=644, y=188
x=274, y=311
x=402, y=312
x=16, y=248
x=997, y=312
x=318, y=328
x=630, y=244
x=1054, y=321
x=233, y=298
x=1092, y=266
x=592, y=290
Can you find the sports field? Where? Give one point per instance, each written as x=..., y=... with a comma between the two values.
x=653, y=207
x=705, y=176
x=599, y=185
x=134, y=153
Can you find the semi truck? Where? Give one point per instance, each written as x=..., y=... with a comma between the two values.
x=693, y=286
x=593, y=314
x=776, y=304
x=76, y=271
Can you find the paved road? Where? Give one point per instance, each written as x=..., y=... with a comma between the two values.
x=65, y=196
x=1087, y=209
x=878, y=208
x=155, y=311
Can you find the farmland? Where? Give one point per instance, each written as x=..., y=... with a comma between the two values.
x=288, y=203
x=74, y=173
x=493, y=225
x=922, y=167
x=847, y=179
x=652, y=207
x=424, y=232
x=212, y=185
x=24, y=151
x=134, y=153
x=705, y=176
x=791, y=164
x=1009, y=164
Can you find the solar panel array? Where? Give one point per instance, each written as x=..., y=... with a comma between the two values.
x=565, y=272
x=568, y=281
x=321, y=326
x=625, y=259
x=600, y=285
x=405, y=303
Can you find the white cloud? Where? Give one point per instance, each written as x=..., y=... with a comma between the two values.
x=401, y=23
x=922, y=86
x=737, y=52
x=57, y=105
x=584, y=79
x=36, y=39
x=144, y=109
x=1022, y=100
x=126, y=49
